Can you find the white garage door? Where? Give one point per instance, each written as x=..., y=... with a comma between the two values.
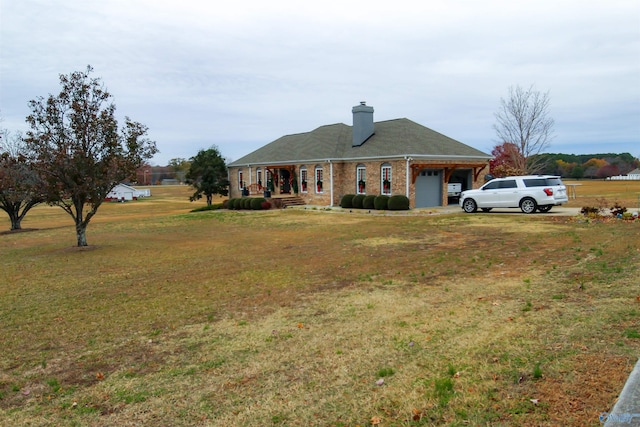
x=429, y=188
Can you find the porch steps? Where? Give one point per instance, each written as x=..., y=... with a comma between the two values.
x=291, y=201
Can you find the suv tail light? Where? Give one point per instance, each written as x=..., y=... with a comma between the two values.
x=548, y=191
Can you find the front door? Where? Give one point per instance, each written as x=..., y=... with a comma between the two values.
x=285, y=181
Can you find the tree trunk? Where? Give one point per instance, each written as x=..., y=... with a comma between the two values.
x=81, y=233
x=15, y=222
x=209, y=199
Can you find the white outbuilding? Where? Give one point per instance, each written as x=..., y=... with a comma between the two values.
x=634, y=175
x=124, y=192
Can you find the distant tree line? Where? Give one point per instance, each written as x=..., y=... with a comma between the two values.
x=590, y=166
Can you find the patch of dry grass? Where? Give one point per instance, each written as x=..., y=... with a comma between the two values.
x=293, y=317
x=593, y=193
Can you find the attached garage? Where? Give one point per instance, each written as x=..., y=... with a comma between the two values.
x=429, y=188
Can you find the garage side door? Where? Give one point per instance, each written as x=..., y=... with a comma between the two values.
x=429, y=188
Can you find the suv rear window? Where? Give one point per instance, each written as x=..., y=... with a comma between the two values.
x=535, y=182
x=542, y=182
x=554, y=181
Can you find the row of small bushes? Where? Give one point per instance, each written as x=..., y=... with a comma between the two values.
x=253, y=203
x=381, y=202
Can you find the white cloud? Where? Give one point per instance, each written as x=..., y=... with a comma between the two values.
x=240, y=74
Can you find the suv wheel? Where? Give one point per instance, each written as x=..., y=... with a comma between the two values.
x=528, y=205
x=469, y=205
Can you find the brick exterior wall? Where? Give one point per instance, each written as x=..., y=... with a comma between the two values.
x=344, y=180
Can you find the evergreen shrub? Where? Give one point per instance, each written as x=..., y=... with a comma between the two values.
x=369, y=202
x=381, y=202
x=347, y=200
x=357, y=201
x=256, y=203
x=398, y=202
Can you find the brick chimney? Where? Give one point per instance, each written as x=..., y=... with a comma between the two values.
x=362, y=123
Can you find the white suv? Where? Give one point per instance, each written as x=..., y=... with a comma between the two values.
x=529, y=193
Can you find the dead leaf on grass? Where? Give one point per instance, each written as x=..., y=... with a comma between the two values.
x=376, y=421
x=417, y=414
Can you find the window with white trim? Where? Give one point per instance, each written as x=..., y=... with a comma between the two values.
x=240, y=180
x=361, y=179
x=259, y=178
x=319, y=177
x=385, y=179
x=304, y=183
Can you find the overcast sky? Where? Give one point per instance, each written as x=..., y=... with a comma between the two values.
x=239, y=74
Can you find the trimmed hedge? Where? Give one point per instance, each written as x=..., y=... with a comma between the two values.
x=357, y=201
x=253, y=203
x=369, y=202
x=347, y=200
x=256, y=203
x=398, y=203
x=381, y=202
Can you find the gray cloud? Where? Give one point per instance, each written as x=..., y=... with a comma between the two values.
x=241, y=74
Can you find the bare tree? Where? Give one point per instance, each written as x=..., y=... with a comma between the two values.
x=20, y=185
x=523, y=120
x=79, y=149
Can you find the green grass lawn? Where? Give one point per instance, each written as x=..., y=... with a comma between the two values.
x=315, y=318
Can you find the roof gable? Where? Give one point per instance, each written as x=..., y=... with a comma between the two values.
x=392, y=139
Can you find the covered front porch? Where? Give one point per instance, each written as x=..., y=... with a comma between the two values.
x=280, y=181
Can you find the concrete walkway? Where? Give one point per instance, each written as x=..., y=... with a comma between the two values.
x=626, y=411
x=442, y=210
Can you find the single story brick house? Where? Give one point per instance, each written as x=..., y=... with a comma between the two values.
x=388, y=157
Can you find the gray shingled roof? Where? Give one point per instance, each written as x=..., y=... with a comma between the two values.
x=392, y=139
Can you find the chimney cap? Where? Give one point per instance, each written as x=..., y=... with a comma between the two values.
x=363, y=102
